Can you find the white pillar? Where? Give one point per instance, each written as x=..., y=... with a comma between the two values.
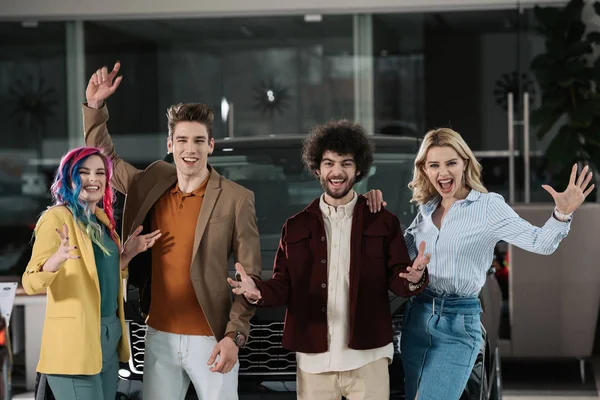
x=76, y=82
x=363, y=71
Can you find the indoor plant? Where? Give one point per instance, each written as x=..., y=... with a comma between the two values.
x=569, y=80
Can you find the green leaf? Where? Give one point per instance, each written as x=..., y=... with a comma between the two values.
x=565, y=82
x=592, y=134
x=575, y=67
x=543, y=31
x=540, y=62
x=593, y=158
x=587, y=75
x=572, y=11
x=578, y=49
x=555, y=102
x=593, y=151
x=582, y=116
x=594, y=105
x=575, y=31
x=556, y=48
x=593, y=37
x=592, y=142
x=578, y=94
x=544, y=119
x=564, y=146
x=548, y=17
x=596, y=70
x=542, y=114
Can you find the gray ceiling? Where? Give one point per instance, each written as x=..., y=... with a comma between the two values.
x=280, y=29
x=294, y=27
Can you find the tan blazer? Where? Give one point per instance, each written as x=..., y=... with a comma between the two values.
x=226, y=226
x=71, y=336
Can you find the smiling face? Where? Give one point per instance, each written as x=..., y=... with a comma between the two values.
x=337, y=174
x=445, y=168
x=190, y=146
x=92, y=173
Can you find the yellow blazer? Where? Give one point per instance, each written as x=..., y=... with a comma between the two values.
x=71, y=336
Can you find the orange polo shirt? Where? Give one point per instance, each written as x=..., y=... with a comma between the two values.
x=174, y=307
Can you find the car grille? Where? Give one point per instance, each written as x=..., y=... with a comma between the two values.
x=263, y=355
x=137, y=337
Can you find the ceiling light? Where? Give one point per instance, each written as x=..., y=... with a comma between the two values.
x=224, y=109
x=313, y=18
x=30, y=24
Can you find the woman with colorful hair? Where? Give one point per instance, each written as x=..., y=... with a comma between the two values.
x=78, y=261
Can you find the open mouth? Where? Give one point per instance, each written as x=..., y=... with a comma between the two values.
x=337, y=183
x=446, y=184
x=189, y=160
x=91, y=188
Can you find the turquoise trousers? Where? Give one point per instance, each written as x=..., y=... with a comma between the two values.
x=102, y=386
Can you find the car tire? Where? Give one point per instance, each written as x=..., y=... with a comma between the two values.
x=496, y=389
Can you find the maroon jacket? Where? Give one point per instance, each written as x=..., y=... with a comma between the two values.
x=378, y=255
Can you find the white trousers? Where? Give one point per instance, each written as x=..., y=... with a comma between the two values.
x=171, y=361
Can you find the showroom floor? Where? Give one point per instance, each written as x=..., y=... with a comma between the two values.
x=522, y=381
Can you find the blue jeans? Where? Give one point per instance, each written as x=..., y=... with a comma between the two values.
x=441, y=336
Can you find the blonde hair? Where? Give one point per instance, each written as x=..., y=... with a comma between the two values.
x=423, y=190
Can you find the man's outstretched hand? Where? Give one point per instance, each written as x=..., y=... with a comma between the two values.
x=245, y=285
x=102, y=85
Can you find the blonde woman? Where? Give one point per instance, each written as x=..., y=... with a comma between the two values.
x=461, y=222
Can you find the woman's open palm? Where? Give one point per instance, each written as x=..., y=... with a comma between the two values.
x=575, y=193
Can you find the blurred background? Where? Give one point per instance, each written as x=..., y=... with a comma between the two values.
x=518, y=79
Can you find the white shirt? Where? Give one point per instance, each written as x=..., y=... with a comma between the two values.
x=463, y=249
x=338, y=228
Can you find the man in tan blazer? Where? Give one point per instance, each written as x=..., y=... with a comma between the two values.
x=194, y=328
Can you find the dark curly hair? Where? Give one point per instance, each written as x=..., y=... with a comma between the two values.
x=341, y=137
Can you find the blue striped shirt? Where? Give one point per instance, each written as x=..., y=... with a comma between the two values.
x=463, y=249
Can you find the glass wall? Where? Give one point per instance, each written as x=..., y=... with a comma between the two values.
x=456, y=69
x=398, y=74
x=261, y=76
x=33, y=124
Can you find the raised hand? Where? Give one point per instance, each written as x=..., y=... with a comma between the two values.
x=102, y=85
x=137, y=243
x=63, y=253
x=244, y=285
x=414, y=273
x=575, y=193
x=375, y=200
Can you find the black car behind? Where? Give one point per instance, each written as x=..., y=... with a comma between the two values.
x=271, y=167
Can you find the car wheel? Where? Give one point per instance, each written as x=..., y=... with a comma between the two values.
x=496, y=389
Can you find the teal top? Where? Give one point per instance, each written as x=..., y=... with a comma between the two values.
x=108, y=272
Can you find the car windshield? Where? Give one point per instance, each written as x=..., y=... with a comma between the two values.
x=283, y=187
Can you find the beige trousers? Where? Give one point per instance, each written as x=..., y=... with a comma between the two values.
x=369, y=382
